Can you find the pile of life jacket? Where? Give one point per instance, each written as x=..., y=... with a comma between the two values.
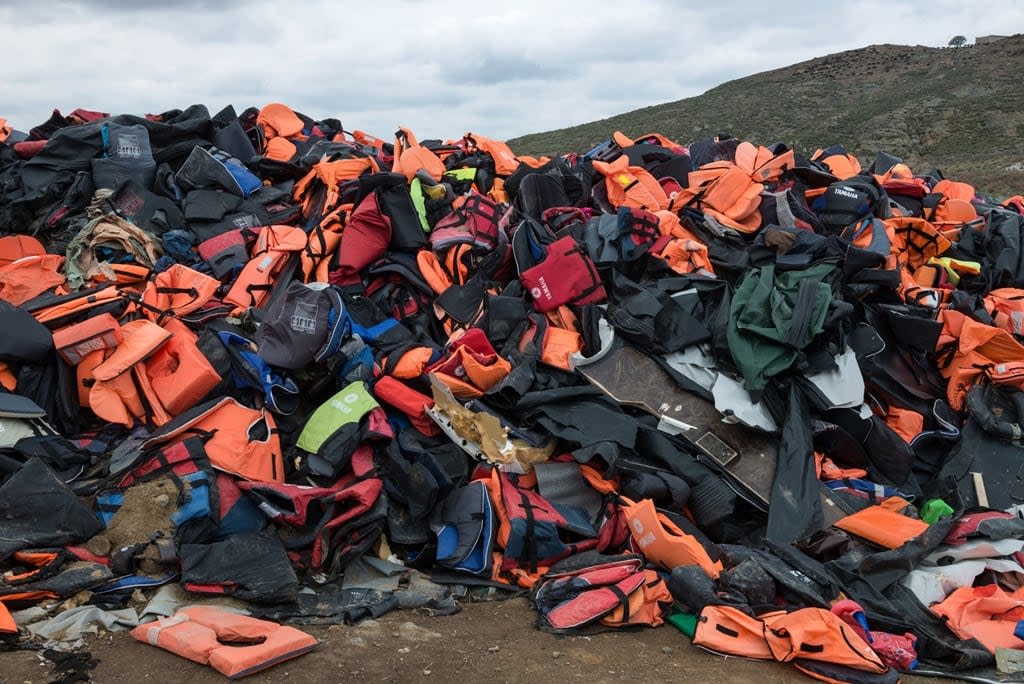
x=324, y=346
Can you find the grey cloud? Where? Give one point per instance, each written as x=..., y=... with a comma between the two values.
x=502, y=70
x=497, y=68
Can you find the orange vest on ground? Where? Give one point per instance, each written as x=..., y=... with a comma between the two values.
x=730, y=631
x=662, y=542
x=986, y=613
x=179, y=372
x=818, y=634
x=643, y=607
x=234, y=645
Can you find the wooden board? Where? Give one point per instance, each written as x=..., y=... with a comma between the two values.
x=747, y=455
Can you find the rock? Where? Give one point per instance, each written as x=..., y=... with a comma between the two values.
x=556, y=654
x=494, y=649
x=409, y=631
x=1009, y=660
x=667, y=649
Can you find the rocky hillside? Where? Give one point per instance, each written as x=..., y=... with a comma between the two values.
x=956, y=109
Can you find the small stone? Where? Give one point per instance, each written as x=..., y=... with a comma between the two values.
x=494, y=649
x=556, y=654
x=410, y=631
x=667, y=649
x=426, y=672
x=395, y=634
x=404, y=649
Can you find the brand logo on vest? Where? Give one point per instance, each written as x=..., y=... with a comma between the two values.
x=303, y=320
x=541, y=289
x=846, y=192
x=128, y=145
x=246, y=221
x=342, y=405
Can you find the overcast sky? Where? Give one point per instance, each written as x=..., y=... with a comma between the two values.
x=441, y=68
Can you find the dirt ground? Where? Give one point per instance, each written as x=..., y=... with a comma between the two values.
x=486, y=642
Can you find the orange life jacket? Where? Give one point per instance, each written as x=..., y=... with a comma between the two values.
x=967, y=348
x=234, y=645
x=7, y=624
x=8, y=380
x=1006, y=307
x=321, y=245
x=625, y=141
x=179, y=372
x=906, y=423
x=730, y=631
x=29, y=277
x=472, y=366
x=631, y=186
x=274, y=246
x=75, y=342
x=279, y=149
x=916, y=240
x=883, y=524
x=14, y=247
x=644, y=607
x=278, y=120
x=410, y=157
x=73, y=307
x=558, y=345
x=122, y=392
x=238, y=440
x=761, y=164
x=818, y=634
x=329, y=176
x=842, y=166
x=177, y=291
x=505, y=162
x=662, y=542
x=986, y=613
x=727, y=193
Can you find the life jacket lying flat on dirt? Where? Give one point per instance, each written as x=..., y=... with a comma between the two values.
x=809, y=638
x=234, y=645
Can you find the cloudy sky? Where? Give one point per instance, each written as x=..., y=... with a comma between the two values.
x=441, y=68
